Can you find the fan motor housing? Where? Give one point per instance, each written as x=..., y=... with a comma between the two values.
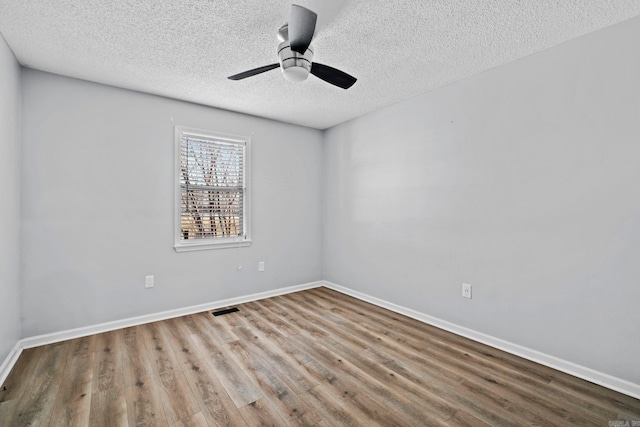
x=295, y=66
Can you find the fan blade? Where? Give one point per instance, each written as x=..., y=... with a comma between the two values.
x=254, y=72
x=302, y=25
x=332, y=75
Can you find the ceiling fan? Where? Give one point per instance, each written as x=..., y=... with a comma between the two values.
x=296, y=53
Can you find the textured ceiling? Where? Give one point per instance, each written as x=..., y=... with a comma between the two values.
x=185, y=49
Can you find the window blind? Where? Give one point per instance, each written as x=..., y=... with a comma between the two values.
x=212, y=188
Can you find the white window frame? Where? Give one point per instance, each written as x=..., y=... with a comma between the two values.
x=181, y=245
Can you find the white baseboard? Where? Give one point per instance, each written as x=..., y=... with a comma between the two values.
x=605, y=380
x=570, y=368
x=9, y=361
x=84, y=331
x=148, y=318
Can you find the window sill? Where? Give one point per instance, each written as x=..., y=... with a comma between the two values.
x=203, y=246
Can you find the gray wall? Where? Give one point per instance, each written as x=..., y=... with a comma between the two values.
x=523, y=181
x=10, y=196
x=97, y=207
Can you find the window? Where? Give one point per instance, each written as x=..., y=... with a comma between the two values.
x=212, y=190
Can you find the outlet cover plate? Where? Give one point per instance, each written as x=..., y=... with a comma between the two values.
x=466, y=290
x=148, y=281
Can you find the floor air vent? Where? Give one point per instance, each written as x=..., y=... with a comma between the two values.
x=225, y=311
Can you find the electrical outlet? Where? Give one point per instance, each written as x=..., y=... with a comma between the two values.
x=261, y=266
x=148, y=281
x=466, y=290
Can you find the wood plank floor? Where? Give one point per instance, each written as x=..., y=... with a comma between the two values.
x=315, y=358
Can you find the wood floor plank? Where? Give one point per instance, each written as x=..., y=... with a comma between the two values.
x=543, y=411
x=108, y=403
x=290, y=397
x=335, y=411
x=432, y=335
x=7, y=411
x=13, y=387
x=350, y=361
x=196, y=420
x=459, y=395
x=289, y=384
x=372, y=342
x=290, y=406
x=263, y=413
x=240, y=388
x=144, y=407
x=598, y=395
x=500, y=380
x=220, y=327
x=22, y=372
x=483, y=361
x=176, y=397
x=311, y=358
x=37, y=401
x=462, y=418
x=73, y=403
x=217, y=407
x=281, y=350
x=362, y=402
x=261, y=311
x=303, y=327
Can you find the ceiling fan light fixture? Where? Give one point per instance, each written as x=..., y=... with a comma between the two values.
x=295, y=74
x=295, y=66
x=295, y=55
